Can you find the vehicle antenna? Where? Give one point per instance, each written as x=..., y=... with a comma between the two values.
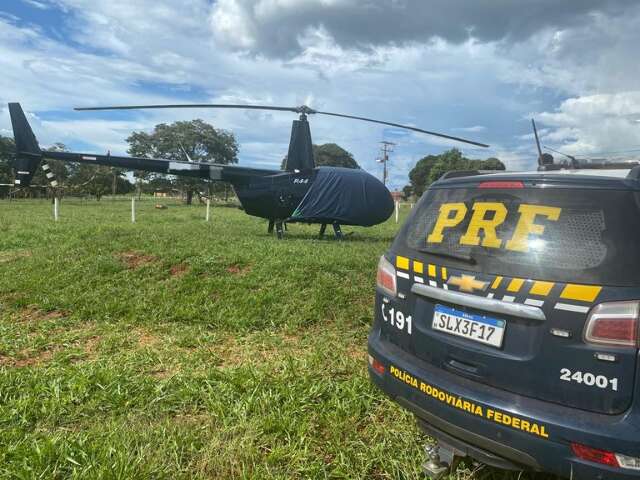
x=535, y=132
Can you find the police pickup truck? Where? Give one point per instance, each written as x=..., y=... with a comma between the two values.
x=507, y=320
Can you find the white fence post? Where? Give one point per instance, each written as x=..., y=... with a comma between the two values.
x=397, y=210
x=56, y=208
x=208, y=209
x=133, y=209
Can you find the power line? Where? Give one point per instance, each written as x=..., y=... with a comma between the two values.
x=385, y=150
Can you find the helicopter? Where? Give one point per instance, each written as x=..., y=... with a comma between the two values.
x=301, y=192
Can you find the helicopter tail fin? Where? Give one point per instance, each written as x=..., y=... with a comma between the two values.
x=28, y=153
x=300, y=156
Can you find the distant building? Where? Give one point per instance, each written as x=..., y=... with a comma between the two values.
x=397, y=195
x=168, y=193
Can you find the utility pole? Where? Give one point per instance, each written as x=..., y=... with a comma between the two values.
x=386, y=149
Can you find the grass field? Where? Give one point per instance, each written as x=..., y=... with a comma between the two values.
x=175, y=348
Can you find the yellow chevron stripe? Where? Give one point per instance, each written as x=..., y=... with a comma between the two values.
x=515, y=285
x=402, y=262
x=496, y=282
x=432, y=270
x=584, y=293
x=541, y=288
x=418, y=267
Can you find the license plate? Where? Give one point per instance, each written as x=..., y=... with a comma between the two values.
x=478, y=328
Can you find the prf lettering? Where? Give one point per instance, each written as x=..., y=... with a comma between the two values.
x=487, y=217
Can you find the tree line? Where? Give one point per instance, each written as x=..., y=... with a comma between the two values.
x=432, y=167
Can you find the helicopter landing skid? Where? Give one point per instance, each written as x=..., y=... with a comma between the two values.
x=280, y=230
x=280, y=226
x=336, y=229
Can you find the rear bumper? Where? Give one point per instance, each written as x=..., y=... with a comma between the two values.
x=498, y=427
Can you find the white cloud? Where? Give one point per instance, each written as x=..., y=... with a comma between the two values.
x=37, y=4
x=594, y=123
x=274, y=27
x=577, y=70
x=475, y=128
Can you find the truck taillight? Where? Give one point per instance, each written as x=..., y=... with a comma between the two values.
x=386, y=278
x=376, y=365
x=596, y=455
x=501, y=184
x=605, y=457
x=613, y=323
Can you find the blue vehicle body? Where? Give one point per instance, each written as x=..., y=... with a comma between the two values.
x=545, y=385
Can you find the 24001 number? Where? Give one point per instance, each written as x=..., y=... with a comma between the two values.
x=589, y=379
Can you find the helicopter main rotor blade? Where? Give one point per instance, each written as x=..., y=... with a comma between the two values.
x=190, y=105
x=407, y=127
x=304, y=110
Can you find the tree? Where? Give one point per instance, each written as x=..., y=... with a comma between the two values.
x=180, y=141
x=92, y=179
x=118, y=180
x=330, y=155
x=432, y=167
x=159, y=183
x=492, y=163
x=7, y=151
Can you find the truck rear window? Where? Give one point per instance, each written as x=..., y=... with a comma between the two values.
x=565, y=235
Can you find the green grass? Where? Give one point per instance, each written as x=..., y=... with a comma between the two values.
x=175, y=348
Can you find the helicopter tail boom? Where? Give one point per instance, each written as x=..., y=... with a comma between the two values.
x=203, y=170
x=29, y=156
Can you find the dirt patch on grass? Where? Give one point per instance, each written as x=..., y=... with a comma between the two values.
x=357, y=352
x=133, y=259
x=146, y=339
x=9, y=256
x=90, y=346
x=193, y=419
x=179, y=270
x=32, y=314
x=28, y=358
x=236, y=269
x=162, y=373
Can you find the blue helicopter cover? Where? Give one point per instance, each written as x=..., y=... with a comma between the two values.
x=347, y=196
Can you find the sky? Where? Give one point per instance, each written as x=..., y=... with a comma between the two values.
x=479, y=70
